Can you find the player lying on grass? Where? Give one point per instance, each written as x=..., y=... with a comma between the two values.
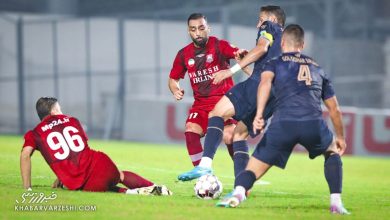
x=64, y=145
x=299, y=85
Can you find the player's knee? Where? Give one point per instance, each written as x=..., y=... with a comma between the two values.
x=191, y=127
x=240, y=134
x=217, y=112
x=332, y=149
x=213, y=113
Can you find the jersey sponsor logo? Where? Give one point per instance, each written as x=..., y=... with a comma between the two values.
x=54, y=123
x=203, y=75
x=209, y=58
x=200, y=55
x=191, y=62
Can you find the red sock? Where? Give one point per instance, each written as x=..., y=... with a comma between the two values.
x=230, y=149
x=194, y=147
x=132, y=180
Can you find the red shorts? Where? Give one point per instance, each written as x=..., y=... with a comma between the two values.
x=103, y=176
x=200, y=116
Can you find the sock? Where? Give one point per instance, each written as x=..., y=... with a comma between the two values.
x=132, y=180
x=245, y=179
x=240, y=191
x=335, y=199
x=213, y=137
x=230, y=149
x=333, y=169
x=194, y=147
x=131, y=192
x=241, y=156
x=206, y=162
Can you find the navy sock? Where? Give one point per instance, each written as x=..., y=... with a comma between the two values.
x=245, y=179
x=230, y=150
x=240, y=156
x=213, y=137
x=333, y=169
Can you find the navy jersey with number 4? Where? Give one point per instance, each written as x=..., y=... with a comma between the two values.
x=299, y=86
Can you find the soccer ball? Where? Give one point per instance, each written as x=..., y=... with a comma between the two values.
x=208, y=187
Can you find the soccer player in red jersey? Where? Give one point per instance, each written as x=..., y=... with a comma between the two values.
x=64, y=145
x=202, y=58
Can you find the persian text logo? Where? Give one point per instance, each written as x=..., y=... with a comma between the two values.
x=39, y=201
x=36, y=198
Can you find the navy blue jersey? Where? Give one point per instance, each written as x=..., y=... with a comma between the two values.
x=299, y=86
x=272, y=32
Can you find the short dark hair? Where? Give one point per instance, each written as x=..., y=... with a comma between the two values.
x=44, y=106
x=195, y=16
x=277, y=11
x=296, y=33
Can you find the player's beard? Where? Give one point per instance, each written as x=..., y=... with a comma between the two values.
x=201, y=42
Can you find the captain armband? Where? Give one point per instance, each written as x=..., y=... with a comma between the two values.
x=267, y=36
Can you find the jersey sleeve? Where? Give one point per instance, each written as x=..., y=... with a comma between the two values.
x=29, y=140
x=266, y=31
x=178, y=69
x=227, y=49
x=270, y=65
x=327, y=88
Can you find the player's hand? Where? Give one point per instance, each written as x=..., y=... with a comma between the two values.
x=218, y=77
x=258, y=124
x=341, y=145
x=239, y=54
x=178, y=95
x=57, y=184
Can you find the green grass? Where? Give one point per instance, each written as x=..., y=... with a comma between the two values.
x=298, y=192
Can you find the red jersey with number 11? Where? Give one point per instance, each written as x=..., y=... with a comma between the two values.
x=63, y=143
x=201, y=64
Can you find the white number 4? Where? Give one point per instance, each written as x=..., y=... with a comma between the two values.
x=65, y=141
x=304, y=74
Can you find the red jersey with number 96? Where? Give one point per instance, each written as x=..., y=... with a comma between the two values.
x=63, y=143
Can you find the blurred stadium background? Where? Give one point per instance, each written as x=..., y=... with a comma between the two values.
x=108, y=61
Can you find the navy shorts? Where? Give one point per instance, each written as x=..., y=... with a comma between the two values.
x=244, y=99
x=282, y=136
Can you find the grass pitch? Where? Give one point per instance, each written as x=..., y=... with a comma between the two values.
x=298, y=192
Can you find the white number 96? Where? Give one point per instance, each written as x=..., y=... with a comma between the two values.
x=65, y=141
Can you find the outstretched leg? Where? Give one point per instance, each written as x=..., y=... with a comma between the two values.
x=139, y=185
x=223, y=110
x=132, y=180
